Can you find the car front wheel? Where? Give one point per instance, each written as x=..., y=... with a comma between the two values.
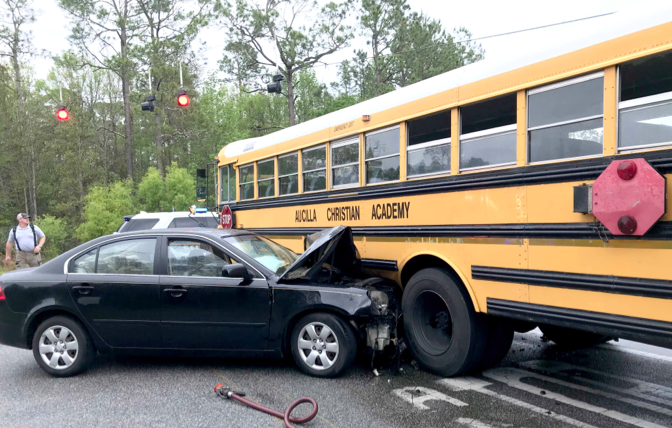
x=323, y=345
x=62, y=347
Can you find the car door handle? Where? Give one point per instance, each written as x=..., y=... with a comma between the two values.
x=175, y=292
x=83, y=289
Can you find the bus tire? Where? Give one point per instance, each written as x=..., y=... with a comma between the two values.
x=445, y=334
x=500, y=338
x=570, y=338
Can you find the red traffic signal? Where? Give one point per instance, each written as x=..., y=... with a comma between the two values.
x=62, y=113
x=182, y=98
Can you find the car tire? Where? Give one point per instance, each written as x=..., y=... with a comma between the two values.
x=433, y=303
x=570, y=338
x=500, y=338
x=334, y=336
x=70, y=343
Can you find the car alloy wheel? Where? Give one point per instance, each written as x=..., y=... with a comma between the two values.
x=59, y=347
x=318, y=346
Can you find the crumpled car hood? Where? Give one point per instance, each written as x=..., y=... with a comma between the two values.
x=333, y=248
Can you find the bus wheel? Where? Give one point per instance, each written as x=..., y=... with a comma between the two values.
x=570, y=338
x=445, y=334
x=500, y=338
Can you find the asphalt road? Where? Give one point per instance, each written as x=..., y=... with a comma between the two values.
x=538, y=385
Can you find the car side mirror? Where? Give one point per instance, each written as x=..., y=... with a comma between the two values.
x=236, y=270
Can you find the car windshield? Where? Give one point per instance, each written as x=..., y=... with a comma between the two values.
x=274, y=257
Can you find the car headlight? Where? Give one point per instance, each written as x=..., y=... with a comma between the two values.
x=379, y=301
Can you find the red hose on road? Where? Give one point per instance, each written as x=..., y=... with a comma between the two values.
x=225, y=392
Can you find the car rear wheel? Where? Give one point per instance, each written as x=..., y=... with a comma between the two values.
x=62, y=347
x=323, y=345
x=445, y=334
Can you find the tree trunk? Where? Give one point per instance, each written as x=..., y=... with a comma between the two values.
x=33, y=181
x=158, y=139
x=290, y=98
x=128, y=122
x=376, y=65
x=31, y=198
x=17, y=72
x=128, y=118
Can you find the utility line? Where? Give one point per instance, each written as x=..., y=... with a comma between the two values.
x=535, y=28
x=484, y=37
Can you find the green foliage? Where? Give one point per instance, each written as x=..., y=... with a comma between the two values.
x=151, y=191
x=57, y=233
x=70, y=172
x=105, y=208
x=180, y=190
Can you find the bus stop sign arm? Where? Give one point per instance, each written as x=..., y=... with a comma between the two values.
x=629, y=197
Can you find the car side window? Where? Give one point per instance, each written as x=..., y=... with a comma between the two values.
x=86, y=263
x=195, y=258
x=130, y=257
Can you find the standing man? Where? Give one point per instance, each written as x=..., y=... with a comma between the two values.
x=25, y=236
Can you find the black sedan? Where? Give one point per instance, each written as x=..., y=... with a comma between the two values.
x=199, y=292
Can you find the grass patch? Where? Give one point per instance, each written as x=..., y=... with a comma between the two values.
x=6, y=267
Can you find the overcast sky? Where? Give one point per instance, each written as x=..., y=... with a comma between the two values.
x=481, y=17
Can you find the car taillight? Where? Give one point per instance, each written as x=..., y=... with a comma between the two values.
x=2, y=294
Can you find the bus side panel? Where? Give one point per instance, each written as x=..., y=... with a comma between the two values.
x=630, y=259
x=293, y=242
x=461, y=253
x=615, y=304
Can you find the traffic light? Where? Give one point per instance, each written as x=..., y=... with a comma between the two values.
x=148, y=105
x=62, y=113
x=276, y=86
x=182, y=98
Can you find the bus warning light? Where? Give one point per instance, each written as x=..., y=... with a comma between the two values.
x=627, y=169
x=627, y=224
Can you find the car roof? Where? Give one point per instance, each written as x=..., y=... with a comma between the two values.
x=176, y=214
x=189, y=230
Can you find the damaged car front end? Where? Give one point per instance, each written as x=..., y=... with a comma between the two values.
x=331, y=266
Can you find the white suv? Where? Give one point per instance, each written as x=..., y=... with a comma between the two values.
x=169, y=220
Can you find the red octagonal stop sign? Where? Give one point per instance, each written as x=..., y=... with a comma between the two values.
x=629, y=197
x=227, y=217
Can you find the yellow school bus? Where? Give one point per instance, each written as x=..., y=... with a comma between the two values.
x=477, y=192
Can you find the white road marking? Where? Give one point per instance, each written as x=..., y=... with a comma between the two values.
x=644, y=390
x=609, y=395
x=636, y=352
x=478, y=385
x=426, y=394
x=512, y=377
x=473, y=423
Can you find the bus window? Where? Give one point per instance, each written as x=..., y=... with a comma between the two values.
x=382, y=155
x=246, y=182
x=565, y=119
x=645, y=107
x=266, y=178
x=288, y=174
x=429, y=144
x=227, y=184
x=314, y=169
x=345, y=163
x=488, y=133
